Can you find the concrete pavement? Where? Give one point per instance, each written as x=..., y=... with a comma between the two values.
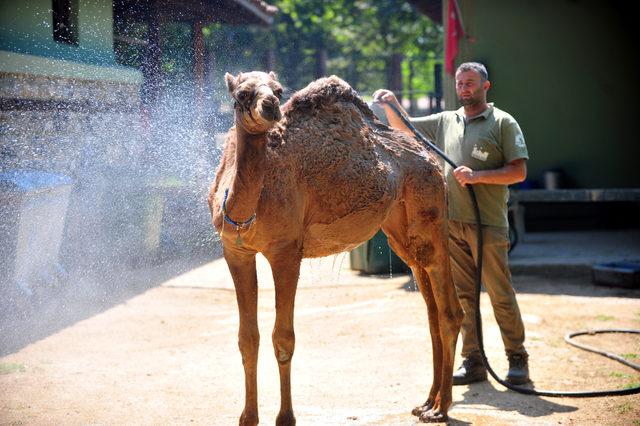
x=167, y=352
x=563, y=254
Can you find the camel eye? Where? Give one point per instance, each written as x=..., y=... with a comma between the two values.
x=278, y=93
x=242, y=96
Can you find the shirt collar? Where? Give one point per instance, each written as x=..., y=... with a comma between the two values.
x=485, y=114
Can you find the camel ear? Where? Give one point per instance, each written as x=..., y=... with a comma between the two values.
x=273, y=75
x=231, y=82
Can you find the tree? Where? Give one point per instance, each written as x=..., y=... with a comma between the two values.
x=313, y=22
x=371, y=44
x=397, y=33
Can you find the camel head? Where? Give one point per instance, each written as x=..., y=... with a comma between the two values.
x=257, y=100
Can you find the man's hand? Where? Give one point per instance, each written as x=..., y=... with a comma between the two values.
x=464, y=175
x=510, y=173
x=387, y=98
x=384, y=95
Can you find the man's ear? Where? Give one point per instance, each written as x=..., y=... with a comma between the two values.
x=231, y=82
x=273, y=75
x=487, y=85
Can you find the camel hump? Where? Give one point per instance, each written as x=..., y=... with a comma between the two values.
x=325, y=92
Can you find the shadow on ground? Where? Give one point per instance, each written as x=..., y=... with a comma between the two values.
x=83, y=294
x=579, y=285
x=485, y=393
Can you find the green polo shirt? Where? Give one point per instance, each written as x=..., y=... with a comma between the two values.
x=487, y=141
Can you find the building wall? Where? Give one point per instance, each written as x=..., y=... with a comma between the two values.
x=89, y=130
x=60, y=124
x=71, y=110
x=27, y=27
x=563, y=69
x=60, y=102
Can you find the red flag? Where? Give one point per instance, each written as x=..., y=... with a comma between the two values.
x=454, y=33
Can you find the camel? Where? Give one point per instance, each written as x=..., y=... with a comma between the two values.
x=320, y=176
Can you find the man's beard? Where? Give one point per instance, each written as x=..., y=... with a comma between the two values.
x=472, y=100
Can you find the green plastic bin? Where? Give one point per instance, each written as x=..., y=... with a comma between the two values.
x=376, y=257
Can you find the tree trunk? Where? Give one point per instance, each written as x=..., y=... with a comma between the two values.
x=437, y=78
x=152, y=63
x=352, y=73
x=270, y=60
x=321, y=62
x=394, y=74
x=412, y=95
x=198, y=69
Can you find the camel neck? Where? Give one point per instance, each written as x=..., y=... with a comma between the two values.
x=249, y=175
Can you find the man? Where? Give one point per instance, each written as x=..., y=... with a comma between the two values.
x=488, y=146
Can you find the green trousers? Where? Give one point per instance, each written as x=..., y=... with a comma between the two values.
x=496, y=280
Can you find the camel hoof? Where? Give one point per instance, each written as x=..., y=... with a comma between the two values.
x=248, y=419
x=285, y=419
x=420, y=409
x=431, y=416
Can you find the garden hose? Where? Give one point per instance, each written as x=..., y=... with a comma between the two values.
x=478, y=317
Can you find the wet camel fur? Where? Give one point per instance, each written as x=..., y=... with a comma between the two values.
x=322, y=175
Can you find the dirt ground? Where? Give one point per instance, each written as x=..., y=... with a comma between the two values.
x=169, y=355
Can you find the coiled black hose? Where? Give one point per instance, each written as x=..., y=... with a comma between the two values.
x=478, y=317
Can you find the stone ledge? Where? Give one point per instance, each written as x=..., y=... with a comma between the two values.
x=11, y=62
x=25, y=87
x=555, y=270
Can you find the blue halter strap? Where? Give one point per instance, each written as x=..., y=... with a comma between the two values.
x=238, y=225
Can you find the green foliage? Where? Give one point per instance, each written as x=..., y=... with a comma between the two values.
x=177, y=50
x=127, y=53
x=359, y=37
x=603, y=317
x=624, y=408
x=10, y=367
x=631, y=385
x=619, y=375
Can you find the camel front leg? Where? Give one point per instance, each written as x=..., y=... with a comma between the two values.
x=243, y=271
x=285, y=267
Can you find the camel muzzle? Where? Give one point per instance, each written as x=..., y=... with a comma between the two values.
x=271, y=111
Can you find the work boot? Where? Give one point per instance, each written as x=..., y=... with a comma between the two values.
x=518, y=368
x=472, y=370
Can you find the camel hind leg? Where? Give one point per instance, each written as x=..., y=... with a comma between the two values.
x=449, y=320
x=419, y=235
x=424, y=285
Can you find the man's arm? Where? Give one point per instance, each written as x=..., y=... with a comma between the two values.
x=510, y=173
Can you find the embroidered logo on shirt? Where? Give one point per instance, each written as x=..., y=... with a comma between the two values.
x=479, y=154
x=520, y=141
